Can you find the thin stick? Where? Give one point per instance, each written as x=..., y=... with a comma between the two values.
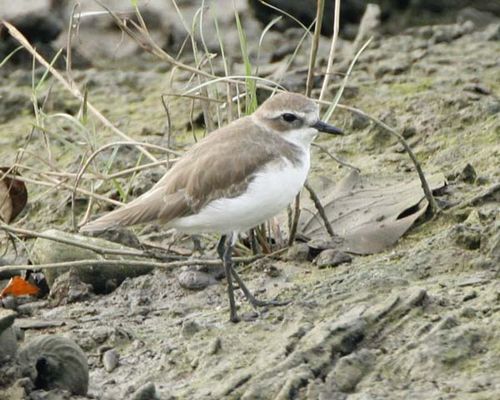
x=319, y=207
x=331, y=56
x=333, y=157
x=110, y=263
x=314, y=48
x=131, y=263
x=102, y=148
x=295, y=220
x=433, y=207
x=94, y=248
x=56, y=183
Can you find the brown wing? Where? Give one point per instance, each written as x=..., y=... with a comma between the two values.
x=220, y=165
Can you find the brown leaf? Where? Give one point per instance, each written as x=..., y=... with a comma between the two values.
x=369, y=219
x=13, y=195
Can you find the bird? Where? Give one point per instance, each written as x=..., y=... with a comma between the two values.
x=234, y=179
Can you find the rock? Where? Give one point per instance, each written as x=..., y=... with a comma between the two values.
x=492, y=33
x=332, y=258
x=53, y=361
x=195, y=280
x=110, y=360
x=350, y=369
x=215, y=346
x=359, y=122
x=465, y=174
x=448, y=33
x=466, y=236
x=40, y=29
x=189, y=329
x=120, y=235
x=479, y=18
x=49, y=251
x=145, y=392
x=470, y=295
x=305, y=11
x=408, y=132
x=8, y=339
x=393, y=67
x=68, y=288
x=7, y=318
x=316, y=246
x=298, y=252
x=494, y=248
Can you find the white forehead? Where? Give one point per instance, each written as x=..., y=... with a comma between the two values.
x=292, y=103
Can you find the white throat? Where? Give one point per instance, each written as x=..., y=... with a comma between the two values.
x=301, y=137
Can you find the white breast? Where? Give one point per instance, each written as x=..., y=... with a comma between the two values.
x=272, y=189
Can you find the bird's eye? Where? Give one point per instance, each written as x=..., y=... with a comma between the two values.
x=289, y=117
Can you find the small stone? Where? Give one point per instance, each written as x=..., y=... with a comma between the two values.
x=477, y=88
x=359, y=122
x=54, y=361
x=250, y=315
x=298, y=252
x=492, y=107
x=332, y=258
x=215, y=346
x=9, y=302
x=8, y=344
x=468, y=174
x=466, y=236
x=350, y=369
x=110, y=360
x=470, y=295
x=409, y=131
x=7, y=318
x=492, y=32
x=195, y=280
x=68, y=288
x=190, y=328
x=145, y=392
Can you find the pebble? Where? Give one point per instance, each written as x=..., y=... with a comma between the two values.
x=470, y=295
x=145, y=392
x=195, y=280
x=190, y=328
x=332, y=258
x=110, y=360
x=215, y=346
x=466, y=236
x=298, y=252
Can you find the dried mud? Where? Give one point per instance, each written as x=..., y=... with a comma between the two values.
x=419, y=321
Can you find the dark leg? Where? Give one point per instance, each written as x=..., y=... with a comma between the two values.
x=253, y=241
x=197, y=244
x=251, y=298
x=221, y=246
x=228, y=266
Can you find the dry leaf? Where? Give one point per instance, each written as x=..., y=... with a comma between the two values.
x=13, y=195
x=369, y=220
x=17, y=286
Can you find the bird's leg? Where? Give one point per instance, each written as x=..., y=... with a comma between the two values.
x=251, y=298
x=228, y=266
x=221, y=246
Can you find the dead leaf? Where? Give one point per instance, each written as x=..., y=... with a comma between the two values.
x=17, y=286
x=13, y=195
x=369, y=220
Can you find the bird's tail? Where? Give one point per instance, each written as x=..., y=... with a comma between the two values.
x=130, y=214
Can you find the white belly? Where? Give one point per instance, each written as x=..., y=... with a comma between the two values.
x=269, y=192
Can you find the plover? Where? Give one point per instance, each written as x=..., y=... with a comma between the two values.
x=234, y=179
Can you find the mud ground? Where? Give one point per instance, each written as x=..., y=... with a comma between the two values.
x=418, y=321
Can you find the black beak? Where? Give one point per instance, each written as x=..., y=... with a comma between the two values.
x=324, y=127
